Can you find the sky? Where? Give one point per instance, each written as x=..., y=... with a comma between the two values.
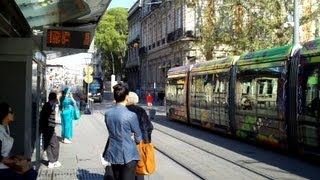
x=121, y=3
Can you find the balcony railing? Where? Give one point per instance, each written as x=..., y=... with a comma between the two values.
x=175, y=35
x=142, y=50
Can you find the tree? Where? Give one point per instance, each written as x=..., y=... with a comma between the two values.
x=111, y=38
x=240, y=26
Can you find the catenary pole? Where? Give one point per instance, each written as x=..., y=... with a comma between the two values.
x=296, y=37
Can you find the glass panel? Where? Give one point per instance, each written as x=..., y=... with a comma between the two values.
x=220, y=96
x=201, y=96
x=46, y=12
x=175, y=91
x=208, y=95
x=176, y=99
x=309, y=120
x=260, y=104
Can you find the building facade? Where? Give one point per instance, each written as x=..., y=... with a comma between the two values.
x=133, y=62
x=166, y=32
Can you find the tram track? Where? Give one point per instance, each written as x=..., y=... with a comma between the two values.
x=263, y=175
x=190, y=169
x=180, y=164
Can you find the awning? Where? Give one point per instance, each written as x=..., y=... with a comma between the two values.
x=71, y=13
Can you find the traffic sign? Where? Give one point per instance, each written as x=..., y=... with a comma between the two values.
x=88, y=70
x=88, y=78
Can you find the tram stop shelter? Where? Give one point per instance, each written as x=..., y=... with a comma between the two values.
x=31, y=31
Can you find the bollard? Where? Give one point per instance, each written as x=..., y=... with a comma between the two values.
x=152, y=113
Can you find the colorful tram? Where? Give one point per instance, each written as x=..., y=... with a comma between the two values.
x=269, y=96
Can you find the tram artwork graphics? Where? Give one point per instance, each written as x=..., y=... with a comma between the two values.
x=269, y=96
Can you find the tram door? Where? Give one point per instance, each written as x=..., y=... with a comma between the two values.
x=309, y=114
x=260, y=105
x=208, y=101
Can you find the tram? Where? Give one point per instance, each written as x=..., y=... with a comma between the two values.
x=269, y=96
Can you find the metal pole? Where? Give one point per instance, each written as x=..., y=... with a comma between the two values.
x=87, y=93
x=112, y=63
x=296, y=38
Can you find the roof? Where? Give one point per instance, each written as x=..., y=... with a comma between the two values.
x=19, y=17
x=266, y=55
x=311, y=48
x=214, y=64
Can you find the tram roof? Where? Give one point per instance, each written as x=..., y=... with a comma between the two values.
x=180, y=71
x=223, y=63
x=266, y=55
x=311, y=50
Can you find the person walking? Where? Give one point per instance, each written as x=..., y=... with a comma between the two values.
x=66, y=107
x=145, y=124
x=15, y=167
x=124, y=135
x=161, y=97
x=47, y=128
x=149, y=100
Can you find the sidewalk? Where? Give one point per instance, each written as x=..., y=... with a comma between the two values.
x=81, y=159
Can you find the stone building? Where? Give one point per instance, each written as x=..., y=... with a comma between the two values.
x=133, y=62
x=167, y=38
x=165, y=33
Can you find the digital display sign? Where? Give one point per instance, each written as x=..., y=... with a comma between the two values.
x=57, y=38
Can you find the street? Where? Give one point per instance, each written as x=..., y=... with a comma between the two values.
x=183, y=152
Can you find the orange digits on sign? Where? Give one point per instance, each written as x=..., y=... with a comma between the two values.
x=65, y=37
x=86, y=40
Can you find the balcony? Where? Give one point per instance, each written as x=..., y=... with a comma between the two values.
x=175, y=35
x=170, y=37
x=142, y=50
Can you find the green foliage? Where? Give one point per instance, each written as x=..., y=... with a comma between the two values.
x=111, y=38
x=241, y=26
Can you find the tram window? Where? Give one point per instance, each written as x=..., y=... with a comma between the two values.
x=311, y=101
x=221, y=89
x=175, y=90
x=244, y=94
x=267, y=87
x=201, y=90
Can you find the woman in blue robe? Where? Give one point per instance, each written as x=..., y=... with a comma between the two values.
x=67, y=104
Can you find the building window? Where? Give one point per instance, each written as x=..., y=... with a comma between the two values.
x=178, y=18
x=164, y=26
x=170, y=24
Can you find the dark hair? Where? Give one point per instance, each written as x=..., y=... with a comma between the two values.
x=120, y=92
x=52, y=96
x=4, y=110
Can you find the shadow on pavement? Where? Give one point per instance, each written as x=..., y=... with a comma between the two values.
x=255, y=152
x=84, y=174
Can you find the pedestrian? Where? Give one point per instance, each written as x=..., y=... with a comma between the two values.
x=149, y=100
x=145, y=124
x=47, y=128
x=66, y=107
x=161, y=97
x=124, y=135
x=15, y=167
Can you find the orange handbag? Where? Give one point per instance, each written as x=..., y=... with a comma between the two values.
x=147, y=163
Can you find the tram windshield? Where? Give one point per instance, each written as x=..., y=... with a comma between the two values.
x=175, y=91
